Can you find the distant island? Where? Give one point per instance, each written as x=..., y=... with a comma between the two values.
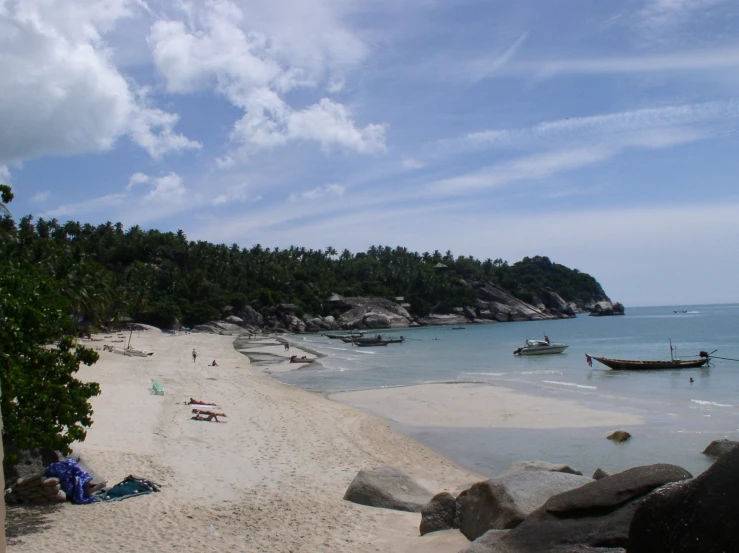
x=112, y=275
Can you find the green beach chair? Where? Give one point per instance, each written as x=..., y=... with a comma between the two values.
x=156, y=388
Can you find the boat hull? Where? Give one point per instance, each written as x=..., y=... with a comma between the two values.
x=543, y=350
x=631, y=365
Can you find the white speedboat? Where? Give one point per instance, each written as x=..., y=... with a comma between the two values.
x=540, y=347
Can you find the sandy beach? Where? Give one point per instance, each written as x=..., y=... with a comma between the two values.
x=269, y=479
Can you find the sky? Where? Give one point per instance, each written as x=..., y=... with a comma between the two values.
x=603, y=135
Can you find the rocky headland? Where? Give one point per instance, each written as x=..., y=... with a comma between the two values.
x=492, y=304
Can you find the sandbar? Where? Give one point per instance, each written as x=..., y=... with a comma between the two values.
x=473, y=405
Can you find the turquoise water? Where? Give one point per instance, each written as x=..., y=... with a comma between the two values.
x=681, y=417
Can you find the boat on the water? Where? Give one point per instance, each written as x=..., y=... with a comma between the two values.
x=636, y=365
x=372, y=343
x=304, y=359
x=540, y=347
x=341, y=336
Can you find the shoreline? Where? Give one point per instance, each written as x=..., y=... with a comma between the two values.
x=270, y=478
x=567, y=421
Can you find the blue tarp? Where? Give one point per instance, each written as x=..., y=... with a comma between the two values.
x=72, y=479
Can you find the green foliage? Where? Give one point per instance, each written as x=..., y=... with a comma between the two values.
x=530, y=275
x=110, y=274
x=43, y=404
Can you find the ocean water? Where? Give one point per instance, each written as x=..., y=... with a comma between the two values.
x=681, y=417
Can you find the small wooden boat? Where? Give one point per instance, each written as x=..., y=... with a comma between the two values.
x=341, y=336
x=296, y=359
x=353, y=340
x=458, y=328
x=634, y=365
x=373, y=343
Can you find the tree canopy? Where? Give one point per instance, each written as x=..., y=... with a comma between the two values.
x=108, y=272
x=43, y=404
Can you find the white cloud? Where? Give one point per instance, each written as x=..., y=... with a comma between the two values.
x=659, y=16
x=4, y=174
x=481, y=68
x=638, y=124
x=411, y=164
x=60, y=92
x=686, y=61
x=336, y=190
x=237, y=193
x=93, y=205
x=137, y=178
x=40, y=197
x=168, y=188
x=218, y=47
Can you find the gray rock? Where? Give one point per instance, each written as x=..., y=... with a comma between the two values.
x=619, y=436
x=541, y=465
x=486, y=542
x=469, y=313
x=718, y=448
x=375, y=320
x=600, y=473
x=596, y=515
x=504, y=502
x=358, y=308
x=695, y=516
x=553, y=301
x=438, y=514
x=389, y=488
x=435, y=319
x=234, y=320
x=251, y=316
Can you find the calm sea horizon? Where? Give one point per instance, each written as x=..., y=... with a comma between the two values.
x=681, y=417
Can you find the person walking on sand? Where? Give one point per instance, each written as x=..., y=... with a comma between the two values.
x=194, y=355
x=287, y=346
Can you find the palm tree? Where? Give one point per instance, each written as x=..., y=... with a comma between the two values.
x=6, y=194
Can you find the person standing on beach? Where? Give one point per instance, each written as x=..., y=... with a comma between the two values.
x=194, y=355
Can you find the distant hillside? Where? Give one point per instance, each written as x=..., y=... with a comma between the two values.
x=162, y=278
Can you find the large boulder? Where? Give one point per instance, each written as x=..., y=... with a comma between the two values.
x=553, y=301
x=600, y=473
x=219, y=327
x=596, y=515
x=619, y=436
x=381, y=312
x=719, y=448
x=439, y=513
x=234, y=320
x=486, y=542
x=541, y=465
x=505, y=501
x=389, y=488
x=437, y=319
x=375, y=320
x=251, y=316
x=696, y=516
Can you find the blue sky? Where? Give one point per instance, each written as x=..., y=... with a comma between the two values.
x=601, y=134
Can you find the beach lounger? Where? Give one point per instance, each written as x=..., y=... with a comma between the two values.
x=156, y=388
x=203, y=415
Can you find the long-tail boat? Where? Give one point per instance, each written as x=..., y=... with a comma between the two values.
x=636, y=365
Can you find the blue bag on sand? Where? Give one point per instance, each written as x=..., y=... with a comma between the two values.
x=71, y=478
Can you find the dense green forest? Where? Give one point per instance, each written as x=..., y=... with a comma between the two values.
x=108, y=273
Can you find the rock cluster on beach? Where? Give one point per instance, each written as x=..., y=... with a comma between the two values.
x=539, y=507
x=35, y=490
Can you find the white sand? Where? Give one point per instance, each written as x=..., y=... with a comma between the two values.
x=269, y=479
x=480, y=406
